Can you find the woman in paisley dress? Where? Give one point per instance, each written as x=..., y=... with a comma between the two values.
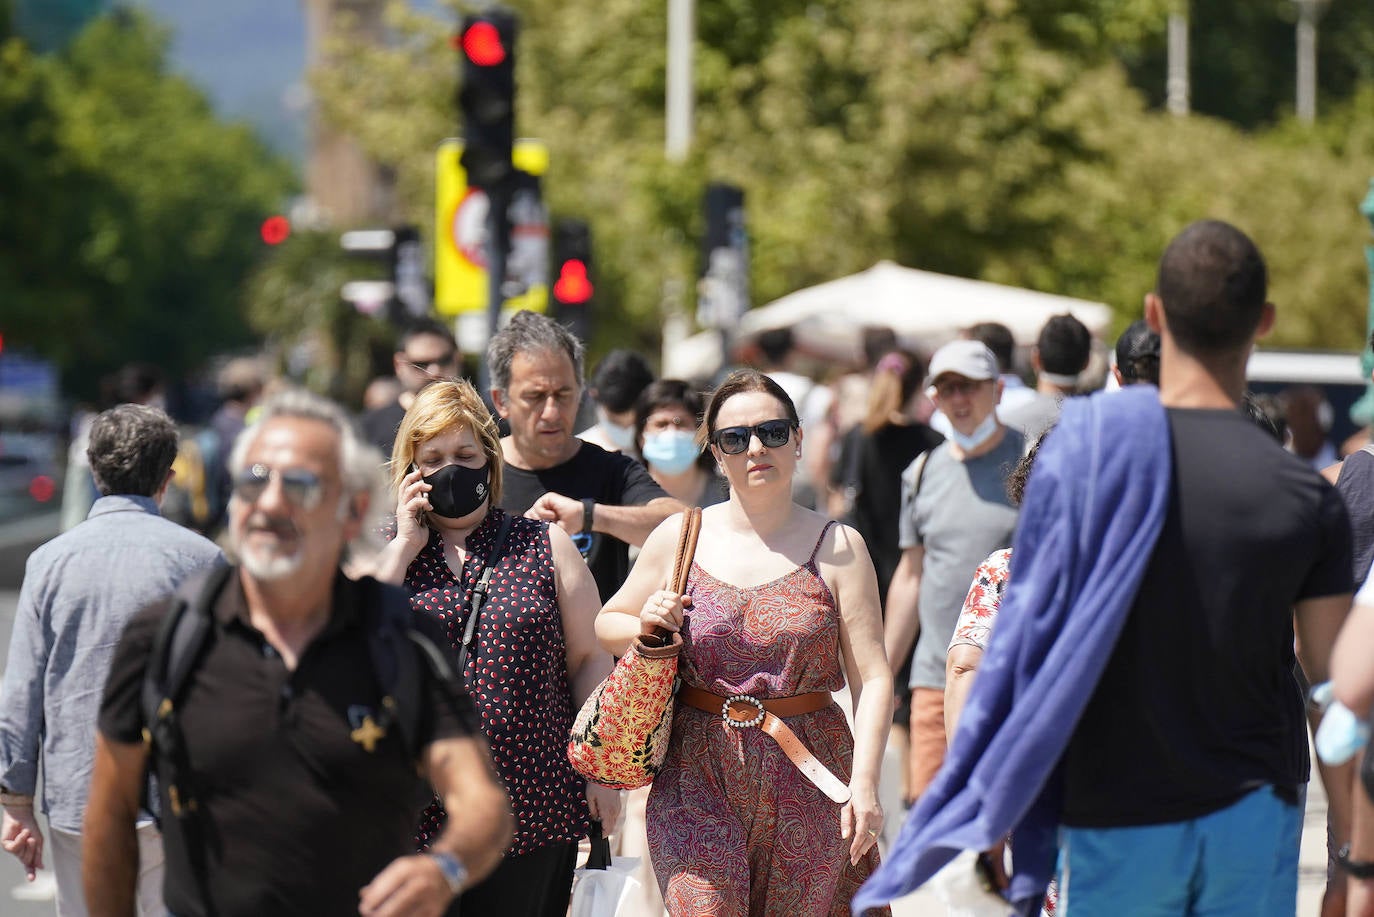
x=781, y=607
x=534, y=657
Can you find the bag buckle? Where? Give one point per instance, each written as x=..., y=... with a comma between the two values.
x=742, y=699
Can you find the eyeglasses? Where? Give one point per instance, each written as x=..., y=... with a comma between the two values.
x=300, y=487
x=772, y=433
x=966, y=387
x=442, y=362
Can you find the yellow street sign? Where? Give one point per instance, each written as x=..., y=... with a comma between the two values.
x=460, y=221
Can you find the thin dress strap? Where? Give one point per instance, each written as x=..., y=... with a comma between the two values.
x=817, y=549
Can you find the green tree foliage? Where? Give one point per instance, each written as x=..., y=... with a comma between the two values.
x=988, y=138
x=1243, y=57
x=325, y=343
x=128, y=212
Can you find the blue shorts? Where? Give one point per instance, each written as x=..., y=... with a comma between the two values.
x=1241, y=860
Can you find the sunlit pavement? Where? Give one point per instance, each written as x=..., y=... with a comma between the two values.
x=1311, y=861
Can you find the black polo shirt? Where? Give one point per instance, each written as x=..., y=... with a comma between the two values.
x=297, y=814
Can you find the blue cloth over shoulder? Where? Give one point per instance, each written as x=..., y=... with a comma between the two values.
x=1093, y=510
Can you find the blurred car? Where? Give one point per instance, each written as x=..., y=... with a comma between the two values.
x=30, y=474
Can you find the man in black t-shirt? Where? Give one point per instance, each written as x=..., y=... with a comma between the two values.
x=1183, y=781
x=605, y=500
x=297, y=791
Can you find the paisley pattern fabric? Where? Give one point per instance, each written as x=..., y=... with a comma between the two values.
x=517, y=676
x=734, y=828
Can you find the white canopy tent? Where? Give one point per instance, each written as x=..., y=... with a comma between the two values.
x=924, y=309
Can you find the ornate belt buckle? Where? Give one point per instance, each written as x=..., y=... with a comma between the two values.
x=742, y=698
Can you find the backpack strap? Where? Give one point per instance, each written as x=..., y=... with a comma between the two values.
x=186, y=631
x=478, y=597
x=921, y=461
x=182, y=636
x=389, y=617
x=392, y=644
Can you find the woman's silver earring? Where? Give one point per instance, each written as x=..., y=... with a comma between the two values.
x=798, y=453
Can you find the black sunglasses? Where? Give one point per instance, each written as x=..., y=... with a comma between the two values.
x=300, y=487
x=772, y=433
x=442, y=362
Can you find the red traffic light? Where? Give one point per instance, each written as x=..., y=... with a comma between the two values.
x=42, y=488
x=275, y=230
x=481, y=42
x=572, y=286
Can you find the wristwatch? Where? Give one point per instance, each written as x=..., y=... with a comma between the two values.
x=455, y=873
x=1360, y=869
x=588, y=508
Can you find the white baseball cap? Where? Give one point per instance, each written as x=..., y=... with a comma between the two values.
x=970, y=359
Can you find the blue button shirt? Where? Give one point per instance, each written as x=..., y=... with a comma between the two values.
x=79, y=591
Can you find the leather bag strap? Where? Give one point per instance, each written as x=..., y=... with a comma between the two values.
x=662, y=638
x=686, y=549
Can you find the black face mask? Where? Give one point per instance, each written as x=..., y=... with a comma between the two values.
x=457, y=489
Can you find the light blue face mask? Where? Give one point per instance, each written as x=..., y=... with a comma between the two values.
x=980, y=435
x=621, y=436
x=672, y=451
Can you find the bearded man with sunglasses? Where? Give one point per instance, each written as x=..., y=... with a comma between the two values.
x=304, y=781
x=955, y=512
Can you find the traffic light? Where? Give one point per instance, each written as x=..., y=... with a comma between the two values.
x=572, y=275
x=275, y=229
x=572, y=259
x=486, y=95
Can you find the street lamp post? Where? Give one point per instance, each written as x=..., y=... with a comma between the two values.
x=1309, y=11
x=1176, y=87
x=678, y=104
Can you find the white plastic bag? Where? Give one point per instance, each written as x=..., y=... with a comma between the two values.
x=959, y=888
x=604, y=887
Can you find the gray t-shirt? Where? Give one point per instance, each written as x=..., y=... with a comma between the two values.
x=1033, y=417
x=960, y=516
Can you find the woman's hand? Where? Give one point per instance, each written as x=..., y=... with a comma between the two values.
x=411, y=505
x=663, y=609
x=604, y=804
x=861, y=820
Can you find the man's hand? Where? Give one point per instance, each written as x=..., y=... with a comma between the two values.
x=21, y=836
x=604, y=804
x=565, y=512
x=412, y=885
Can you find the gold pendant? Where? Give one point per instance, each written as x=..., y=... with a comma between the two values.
x=367, y=734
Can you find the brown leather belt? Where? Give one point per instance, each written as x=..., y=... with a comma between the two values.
x=741, y=711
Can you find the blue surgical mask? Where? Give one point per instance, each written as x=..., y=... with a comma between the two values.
x=981, y=434
x=672, y=451
x=622, y=437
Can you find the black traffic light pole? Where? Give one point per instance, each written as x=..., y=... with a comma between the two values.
x=486, y=98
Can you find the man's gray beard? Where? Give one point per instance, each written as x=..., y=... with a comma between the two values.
x=271, y=568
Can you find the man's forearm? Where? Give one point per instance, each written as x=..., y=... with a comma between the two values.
x=109, y=839
x=470, y=786
x=632, y=524
x=109, y=861
x=902, y=622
